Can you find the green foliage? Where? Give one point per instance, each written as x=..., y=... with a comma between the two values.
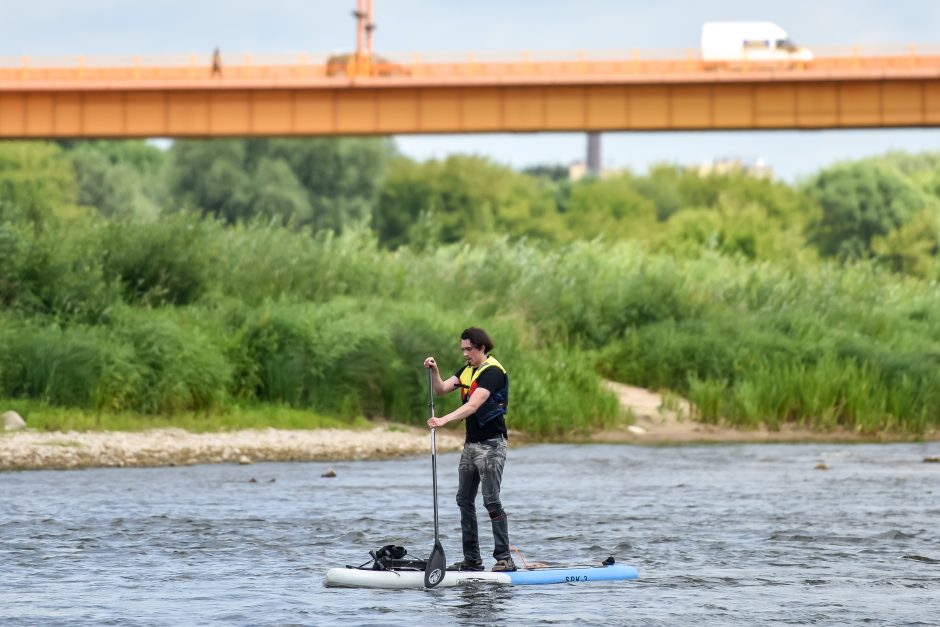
x=914, y=247
x=673, y=189
x=116, y=188
x=590, y=292
x=747, y=231
x=177, y=366
x=166, y=262
x=146, y=362
x=554, y=173
x=260, y=261
x=77, y=367
x=55, y=274
x=920, y=168
x=35, y=180
x=859, y=203
x=279, y=194
x=50, y=418
x=802, y=352
x=211, y=176
x=460, y=199
x=343, y=177
x=291, y=299
x=335, y=358
x=147, y=160
x=322, y=183
x=557, y=393
x=611, y=208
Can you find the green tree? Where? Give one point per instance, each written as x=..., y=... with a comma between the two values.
x=145, y=158
x=212, y=177
x=55, y=274
x=462, y=199
x=343, y=177
x=913, y=247
x=748, y=231
x=609, y=207
x=279, y=195
x=554, y=172
x=329, y=184
x=920, y=168
x=673, y=188
x=860, y=201
x=114, y=189
x=159, y=263
x=407, y=204
x=35, y=182
x=662, y=187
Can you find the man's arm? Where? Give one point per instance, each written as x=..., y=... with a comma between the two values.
x=469, y=408
x=441, y=387
x=449, y=385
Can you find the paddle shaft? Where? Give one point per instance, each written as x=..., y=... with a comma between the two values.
x=433, y=452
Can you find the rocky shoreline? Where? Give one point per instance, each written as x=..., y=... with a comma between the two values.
x=653, y=424
x=29, y=450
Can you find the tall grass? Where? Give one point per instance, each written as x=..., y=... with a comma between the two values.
x=45, y=417
x=214, y=317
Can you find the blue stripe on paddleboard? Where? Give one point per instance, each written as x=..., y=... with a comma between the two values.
x=582, y=574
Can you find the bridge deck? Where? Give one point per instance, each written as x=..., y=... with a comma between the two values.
x=181, y=97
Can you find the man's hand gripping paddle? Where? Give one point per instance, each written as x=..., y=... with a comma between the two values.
x=434, y=570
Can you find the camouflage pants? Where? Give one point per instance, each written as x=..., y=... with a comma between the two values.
x=481, y=463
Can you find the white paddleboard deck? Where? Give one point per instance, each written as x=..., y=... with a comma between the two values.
x=400, y=579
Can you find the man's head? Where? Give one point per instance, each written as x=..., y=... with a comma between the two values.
x=475, y=344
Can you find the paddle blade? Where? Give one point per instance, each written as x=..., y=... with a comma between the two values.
x=437, y=564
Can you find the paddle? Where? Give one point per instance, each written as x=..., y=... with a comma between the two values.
x=434, y=570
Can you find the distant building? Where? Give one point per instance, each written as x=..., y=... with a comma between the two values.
x=755, y=167
x=749, y=166
x=579, y=169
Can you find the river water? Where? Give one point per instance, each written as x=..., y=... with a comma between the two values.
x=721, y=535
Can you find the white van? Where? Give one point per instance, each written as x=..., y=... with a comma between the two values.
x=726, y=43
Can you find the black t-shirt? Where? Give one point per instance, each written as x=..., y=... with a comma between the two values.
x=492, y=379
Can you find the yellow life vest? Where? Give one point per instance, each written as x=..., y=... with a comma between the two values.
x=498, y=400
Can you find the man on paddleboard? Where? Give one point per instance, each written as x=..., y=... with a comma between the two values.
x=484, y=390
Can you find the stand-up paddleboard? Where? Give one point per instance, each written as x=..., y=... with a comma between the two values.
x=391, y=579
x=392, y=567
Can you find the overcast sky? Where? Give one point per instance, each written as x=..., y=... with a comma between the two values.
x=125, y=27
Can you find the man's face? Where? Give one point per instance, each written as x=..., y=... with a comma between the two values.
x=471, y=353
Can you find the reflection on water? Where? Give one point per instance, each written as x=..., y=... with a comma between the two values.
x=720, y=535
x=479, y=603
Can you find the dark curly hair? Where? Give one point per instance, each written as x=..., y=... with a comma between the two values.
x=479, y=338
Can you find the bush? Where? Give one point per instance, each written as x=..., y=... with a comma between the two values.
x=166, y=262
x=78, y=367
x=56, y=274
x=178, y=366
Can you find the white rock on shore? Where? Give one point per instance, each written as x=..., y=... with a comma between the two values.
x=12, y=421
x=22, y=450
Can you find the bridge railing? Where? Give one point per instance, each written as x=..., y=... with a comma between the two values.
x=440, y=66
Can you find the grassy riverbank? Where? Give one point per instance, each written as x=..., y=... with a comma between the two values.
x=820, y=346
x=45, y=418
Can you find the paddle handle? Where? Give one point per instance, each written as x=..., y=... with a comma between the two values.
x=431, y=391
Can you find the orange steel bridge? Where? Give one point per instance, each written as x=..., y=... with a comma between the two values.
x=360, y=94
